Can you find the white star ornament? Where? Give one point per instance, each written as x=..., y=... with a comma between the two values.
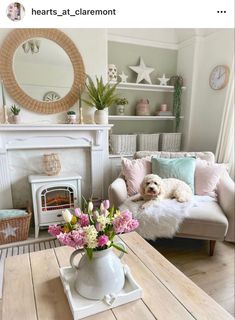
x=163, y=80
x=142, y=71
x=123, y=77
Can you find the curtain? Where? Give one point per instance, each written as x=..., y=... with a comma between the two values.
x=225, y=145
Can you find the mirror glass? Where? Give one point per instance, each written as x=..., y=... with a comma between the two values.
x=43, y=70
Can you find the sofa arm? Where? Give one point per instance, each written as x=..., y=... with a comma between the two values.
x=117, y=192
x=226, y=194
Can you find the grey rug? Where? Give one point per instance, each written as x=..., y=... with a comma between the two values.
x=21, y=249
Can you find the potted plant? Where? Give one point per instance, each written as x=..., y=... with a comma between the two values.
x=120, y=106
x=101, y=96
x=15, y=114
x=71, y=117
x=177, y=82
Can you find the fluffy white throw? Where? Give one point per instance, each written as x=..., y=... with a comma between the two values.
x=163, y=219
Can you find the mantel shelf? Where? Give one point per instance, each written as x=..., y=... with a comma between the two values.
x=54, y=127
x=153, y=118
x=145, y=87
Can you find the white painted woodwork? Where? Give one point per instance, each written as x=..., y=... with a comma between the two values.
x=141, y=118
x=145, y=87
x=54, y=136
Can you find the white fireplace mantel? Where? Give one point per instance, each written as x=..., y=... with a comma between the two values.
x=30, y=137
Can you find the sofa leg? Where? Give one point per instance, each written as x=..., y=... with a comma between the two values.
x=212, y=247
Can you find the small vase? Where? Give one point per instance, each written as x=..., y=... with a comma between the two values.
x=163, y=107
x=120, y=110
x=99, y=276
x=101, y=117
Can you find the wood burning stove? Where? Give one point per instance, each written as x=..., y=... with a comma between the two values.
x=51, y=195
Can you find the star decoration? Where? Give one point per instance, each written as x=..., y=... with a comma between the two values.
x=163, y=80
x=143, y=71
x=9, y=231
x=123, y=77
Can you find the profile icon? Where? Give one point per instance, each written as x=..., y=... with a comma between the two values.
x=15, y=11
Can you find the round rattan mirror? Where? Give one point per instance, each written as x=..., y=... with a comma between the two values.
x=30, y=40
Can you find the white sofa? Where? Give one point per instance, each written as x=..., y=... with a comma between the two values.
x=215, y=221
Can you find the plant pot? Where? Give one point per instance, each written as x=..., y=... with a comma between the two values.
x=120, y=110
x=99, y=276
x=101, y=117
x=16, y=119
x=71, y=118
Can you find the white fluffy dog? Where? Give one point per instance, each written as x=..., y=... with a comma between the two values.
x=155, y=188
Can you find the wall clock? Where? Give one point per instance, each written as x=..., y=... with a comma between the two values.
x=51, y=96
x=219, y=77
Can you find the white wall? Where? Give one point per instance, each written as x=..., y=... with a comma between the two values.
x=204, y=108
x=92, y=44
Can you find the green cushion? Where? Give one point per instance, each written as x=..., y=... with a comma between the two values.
x=12, y=213
x=179, y=168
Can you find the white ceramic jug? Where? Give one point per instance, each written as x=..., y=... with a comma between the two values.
x=100, y=276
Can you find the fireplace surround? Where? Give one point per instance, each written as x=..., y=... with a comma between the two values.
x=93, y=138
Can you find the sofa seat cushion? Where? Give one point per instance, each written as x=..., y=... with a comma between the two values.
x=206, y=221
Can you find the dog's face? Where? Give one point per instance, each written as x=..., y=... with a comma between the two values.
x=151, y=186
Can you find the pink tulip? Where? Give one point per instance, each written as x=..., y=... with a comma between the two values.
x=106, y=204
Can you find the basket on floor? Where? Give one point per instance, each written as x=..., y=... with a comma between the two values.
x=15, y=228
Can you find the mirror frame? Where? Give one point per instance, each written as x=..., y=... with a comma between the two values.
x=15, y=39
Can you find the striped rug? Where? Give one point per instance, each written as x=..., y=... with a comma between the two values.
x=16, y=249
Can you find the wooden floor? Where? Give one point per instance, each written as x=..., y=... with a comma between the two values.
x=215, y=275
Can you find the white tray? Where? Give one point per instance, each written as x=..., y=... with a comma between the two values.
x=82, y=307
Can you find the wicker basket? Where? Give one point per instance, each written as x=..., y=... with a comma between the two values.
x=123, y=143
x=170, y=141
x=19, y=227
x=148, y=142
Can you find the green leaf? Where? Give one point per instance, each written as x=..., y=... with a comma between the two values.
x=101, y=95
x=118, y=247
x=111, y=211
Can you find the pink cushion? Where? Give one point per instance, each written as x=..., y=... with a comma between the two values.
x=134, y=172
x=207, y=176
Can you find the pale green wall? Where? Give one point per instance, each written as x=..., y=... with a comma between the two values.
x=162, y=60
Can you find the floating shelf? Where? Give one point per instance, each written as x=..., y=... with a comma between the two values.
x=153, y=118
x=145, y=87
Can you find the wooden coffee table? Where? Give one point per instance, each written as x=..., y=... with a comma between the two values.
x=33, y=289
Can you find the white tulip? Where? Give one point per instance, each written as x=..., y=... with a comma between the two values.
x=90, y=206
x=67, y=215
x=102, y=207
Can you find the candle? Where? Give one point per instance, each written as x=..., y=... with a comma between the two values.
x=3, y=95
x=80, y=98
